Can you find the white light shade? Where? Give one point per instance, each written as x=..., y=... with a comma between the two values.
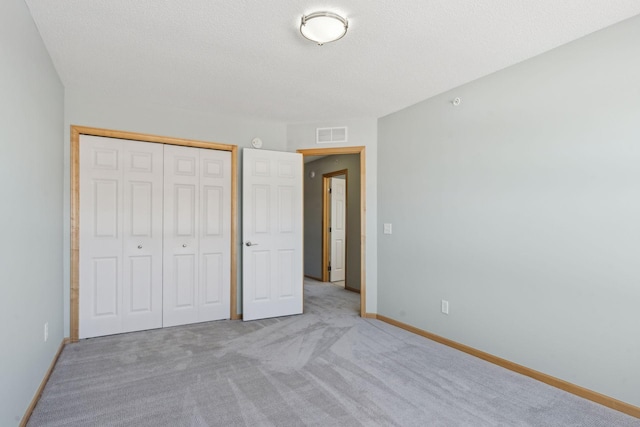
x=323, y=27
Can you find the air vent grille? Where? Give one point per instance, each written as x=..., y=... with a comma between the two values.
x=328, y=135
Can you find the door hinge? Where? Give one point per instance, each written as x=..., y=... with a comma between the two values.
x=329, y=229
x=329, y=189
x=329, y=268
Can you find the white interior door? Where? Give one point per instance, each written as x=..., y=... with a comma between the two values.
x=142, y=239
x=120, y=262
x=181, y=222
x=272, y=278
x=338, y=229
x=197, y=235
x=100, y=254
x=214, y=289
x=155, y=241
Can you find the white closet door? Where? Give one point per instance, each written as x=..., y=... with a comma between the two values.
x=142, y=262
x=100, y=257
x=155, y=235
x=197, y=235
x=181, y=223
x=121, y=238
x=215, y=235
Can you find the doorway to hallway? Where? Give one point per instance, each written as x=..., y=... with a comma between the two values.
x=331, y=161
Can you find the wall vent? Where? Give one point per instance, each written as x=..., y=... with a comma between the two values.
x=328, y=135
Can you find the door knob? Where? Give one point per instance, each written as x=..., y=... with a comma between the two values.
x=251, y=244
x=184, y=245
x=140, y=246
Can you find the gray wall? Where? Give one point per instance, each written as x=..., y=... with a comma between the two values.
x=521, y=207
x=86, y=109
x=313, y=215
x=31, y=132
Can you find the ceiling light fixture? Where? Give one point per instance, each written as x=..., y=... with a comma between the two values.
x=323, y=27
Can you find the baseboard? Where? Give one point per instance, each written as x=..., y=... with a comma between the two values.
x=347, y=288
x=36, y=397
x=313, y=277
x=610, y=402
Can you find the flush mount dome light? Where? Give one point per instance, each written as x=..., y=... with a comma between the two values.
x=323, y=27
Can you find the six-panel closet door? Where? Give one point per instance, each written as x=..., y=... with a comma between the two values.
x=155, y=235
x=120, y=236
x=197, y=216
x=142, y=241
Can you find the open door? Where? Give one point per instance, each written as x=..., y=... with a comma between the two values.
x=272, y=274
x=337, y=231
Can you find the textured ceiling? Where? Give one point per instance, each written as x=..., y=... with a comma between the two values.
x=247, y=58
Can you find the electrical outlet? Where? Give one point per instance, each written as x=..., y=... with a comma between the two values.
x=444, y=307
x=46, y=331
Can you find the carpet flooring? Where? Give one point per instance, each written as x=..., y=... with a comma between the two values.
x=327, y=367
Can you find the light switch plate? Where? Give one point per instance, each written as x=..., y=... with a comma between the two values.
x=444, y=306
x=387, y=228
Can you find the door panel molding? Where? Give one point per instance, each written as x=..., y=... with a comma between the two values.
x=76, y=131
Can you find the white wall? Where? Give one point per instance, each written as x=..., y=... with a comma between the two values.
x=83, y=109
x=31, y=132
x=361, y=132
x=521, y=207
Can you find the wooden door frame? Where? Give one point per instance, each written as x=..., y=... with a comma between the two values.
x=360, y=150
x=76, y=131
x=326, y=221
